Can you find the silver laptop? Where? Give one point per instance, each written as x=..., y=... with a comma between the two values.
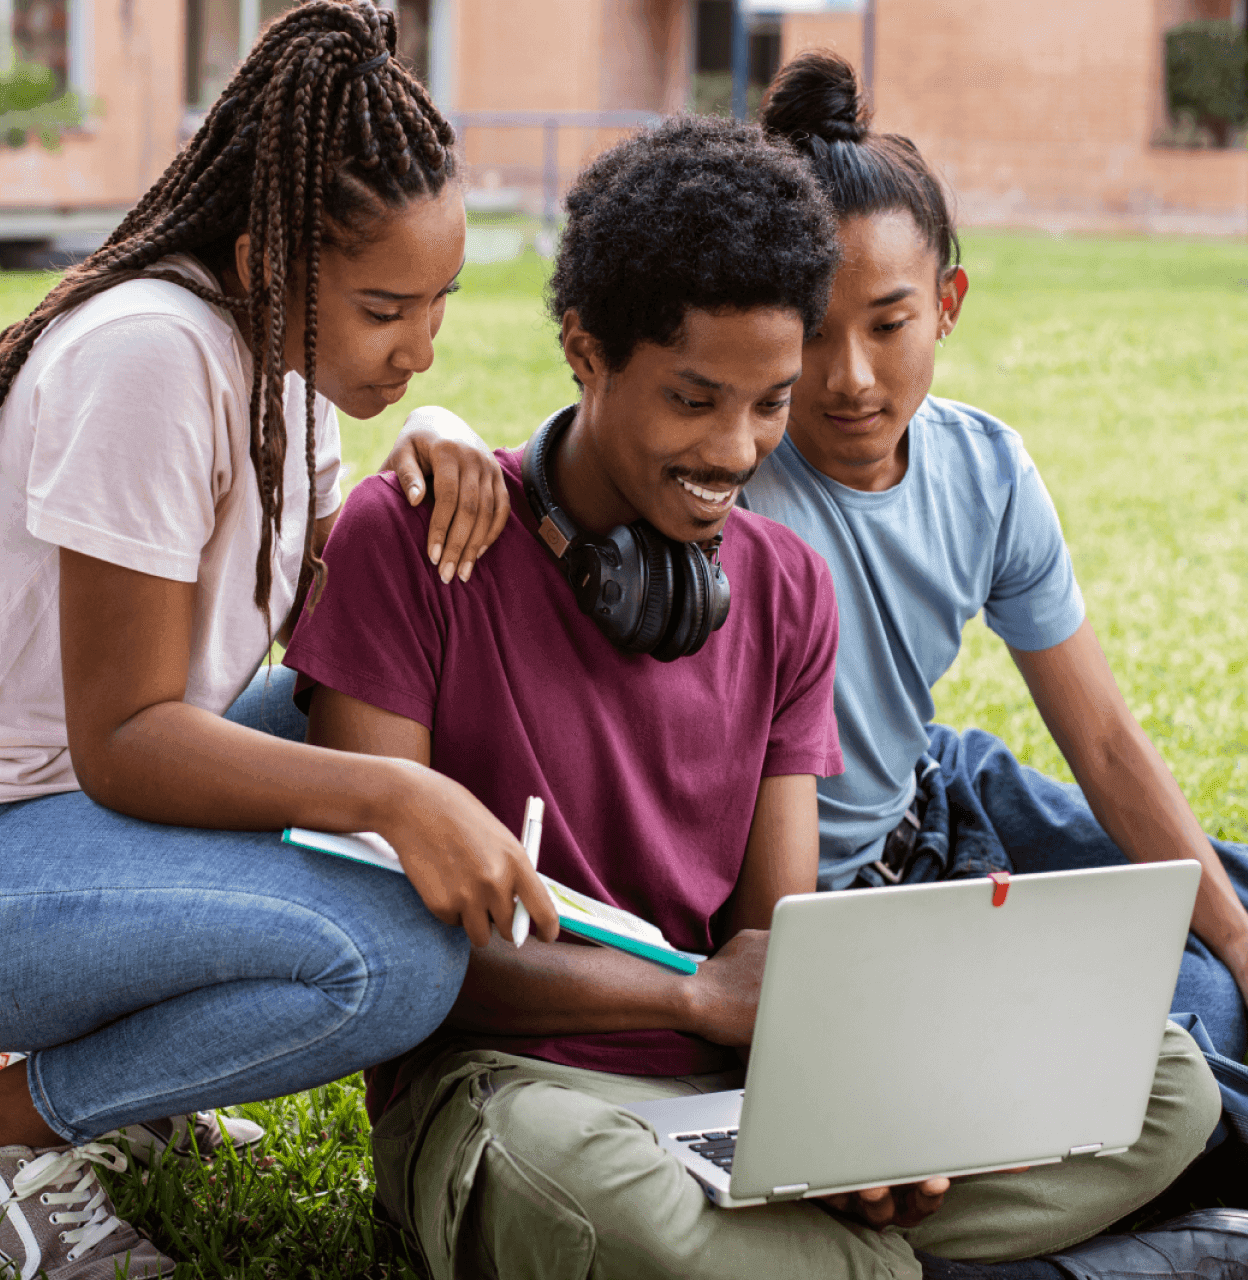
x=908, y=1032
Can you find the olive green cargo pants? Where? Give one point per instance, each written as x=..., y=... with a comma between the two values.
x=504, y=1166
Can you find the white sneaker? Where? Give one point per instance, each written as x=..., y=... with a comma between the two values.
x=172, y=1136
x=56, y=1219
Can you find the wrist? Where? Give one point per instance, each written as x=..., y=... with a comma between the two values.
x=432, y=423
x=387, y=793
x=1235, y=955
x=1221, y=922
x=686, y=1006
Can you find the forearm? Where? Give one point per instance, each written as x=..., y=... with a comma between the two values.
x=177, y=764
x=138, y=747
x=1127, y=784
x=1138, y=802
x=565, y=989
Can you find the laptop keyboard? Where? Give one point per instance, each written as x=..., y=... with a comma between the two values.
x=715, y=1145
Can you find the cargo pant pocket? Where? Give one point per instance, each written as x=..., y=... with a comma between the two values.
x=425, y=1153
x=475, y=1209
x=522, y=1225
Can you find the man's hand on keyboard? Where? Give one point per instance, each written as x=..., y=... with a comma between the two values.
x=880, y=1207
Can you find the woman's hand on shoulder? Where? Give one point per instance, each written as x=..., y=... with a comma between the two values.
x=470, y=503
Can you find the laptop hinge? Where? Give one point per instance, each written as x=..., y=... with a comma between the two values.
x=1087, y=1149
x=792, y=1192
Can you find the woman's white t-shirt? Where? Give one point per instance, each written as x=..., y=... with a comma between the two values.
x=126, y=436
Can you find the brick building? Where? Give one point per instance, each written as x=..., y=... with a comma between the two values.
x=1052, y=115
x=1038, y=115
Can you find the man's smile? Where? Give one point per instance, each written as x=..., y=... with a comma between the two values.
x=718, y=499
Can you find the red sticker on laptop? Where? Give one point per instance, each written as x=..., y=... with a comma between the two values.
x=1000, y=886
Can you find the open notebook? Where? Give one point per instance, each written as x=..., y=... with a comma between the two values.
x=579, y=914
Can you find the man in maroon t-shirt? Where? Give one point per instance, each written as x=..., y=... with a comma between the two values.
x=681, y=788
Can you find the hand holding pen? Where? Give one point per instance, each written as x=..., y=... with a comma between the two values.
x=531, y=838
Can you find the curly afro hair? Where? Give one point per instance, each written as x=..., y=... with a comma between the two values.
x=699, y=213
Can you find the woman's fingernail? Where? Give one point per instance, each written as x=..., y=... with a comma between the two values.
x=447, y=571
x=465, y=571
x=414, y=495
x=435, y=552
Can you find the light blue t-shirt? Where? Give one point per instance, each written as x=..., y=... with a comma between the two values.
x=969, y=527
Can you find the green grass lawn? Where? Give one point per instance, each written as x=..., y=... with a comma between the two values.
x=1120, y=361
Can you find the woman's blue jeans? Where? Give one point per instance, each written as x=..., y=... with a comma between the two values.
x=151, y=970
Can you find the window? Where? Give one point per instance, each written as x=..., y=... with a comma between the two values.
x=46, y=50
x=1204, y=82
x=40, y=33
x=220, y=32
x=712, y=72
x=413, y=16
x=212, y=31
x=218, y=35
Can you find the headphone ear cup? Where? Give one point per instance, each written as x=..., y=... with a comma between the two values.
x=658, y=588
x=691, y=612
x=721, y=595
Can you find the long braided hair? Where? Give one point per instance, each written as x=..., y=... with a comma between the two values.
x=320, y=132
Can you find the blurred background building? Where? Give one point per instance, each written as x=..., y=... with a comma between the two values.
x=1067, y=115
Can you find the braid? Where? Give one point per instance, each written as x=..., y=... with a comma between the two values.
x=320, y=131
x=312, y=576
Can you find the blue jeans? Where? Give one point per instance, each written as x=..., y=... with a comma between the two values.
x=151, y=970
x=987, y=812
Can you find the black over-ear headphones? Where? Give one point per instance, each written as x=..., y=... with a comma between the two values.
x=647, y=592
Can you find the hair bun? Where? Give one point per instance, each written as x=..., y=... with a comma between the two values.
x=816, y=95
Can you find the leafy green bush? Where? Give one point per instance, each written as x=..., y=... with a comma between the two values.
x=1207, y=75
x=27, y=85
x=30, y=104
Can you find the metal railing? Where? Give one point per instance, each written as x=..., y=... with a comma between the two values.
x=550, y=122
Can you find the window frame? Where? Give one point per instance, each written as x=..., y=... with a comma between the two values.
x=79, y=45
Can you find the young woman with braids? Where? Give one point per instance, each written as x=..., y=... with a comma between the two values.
x=169, y=462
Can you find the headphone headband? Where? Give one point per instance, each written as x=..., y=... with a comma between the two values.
x=554, y=526
x=647, y=593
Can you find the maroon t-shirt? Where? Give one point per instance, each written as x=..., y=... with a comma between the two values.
x=649, y=770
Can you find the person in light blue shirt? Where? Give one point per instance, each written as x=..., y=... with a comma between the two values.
x=928, y=510
x=969, y=525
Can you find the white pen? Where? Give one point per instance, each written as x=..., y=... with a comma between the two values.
x=531, y=838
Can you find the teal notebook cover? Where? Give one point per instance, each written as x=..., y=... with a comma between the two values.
x=673, y=959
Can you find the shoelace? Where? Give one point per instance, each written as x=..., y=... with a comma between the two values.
x=54, y=1169
x=207, y=1135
